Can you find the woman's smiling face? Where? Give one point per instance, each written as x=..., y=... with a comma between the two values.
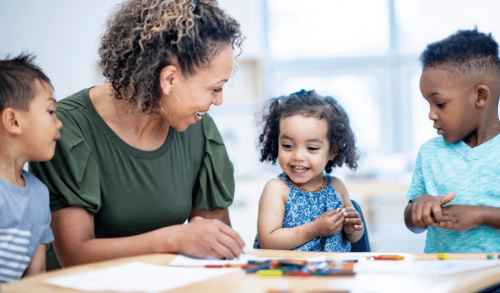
x=189, y=98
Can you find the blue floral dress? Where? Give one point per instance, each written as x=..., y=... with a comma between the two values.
x=303, y=207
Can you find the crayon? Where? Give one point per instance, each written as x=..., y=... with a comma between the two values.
x=263, y=266
x=298, y=262
x=256, y=262
x=348, y=266
x=489, y=256
x=350, y=260
x=443, y=256
x=269, y=273
x=389, y=257
x=274, y=264
x=298, y=274
x=233, y=265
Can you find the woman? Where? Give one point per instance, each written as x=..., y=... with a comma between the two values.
x=128, y=170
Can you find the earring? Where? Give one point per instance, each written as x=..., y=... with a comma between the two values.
x=178, y=106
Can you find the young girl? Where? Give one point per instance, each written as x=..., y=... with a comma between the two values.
x=304, y=209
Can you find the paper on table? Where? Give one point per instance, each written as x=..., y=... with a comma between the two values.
x=183, y=260
x=361, y=256
x=137, y=277
x=424, y=268
x=375, y=283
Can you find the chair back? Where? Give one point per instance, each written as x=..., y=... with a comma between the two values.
x=363, y=244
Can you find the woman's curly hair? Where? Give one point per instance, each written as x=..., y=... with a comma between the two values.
x=144, y=36
x=310, y=104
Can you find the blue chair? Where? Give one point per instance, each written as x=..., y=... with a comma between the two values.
x=363, y=244
x=494, y=289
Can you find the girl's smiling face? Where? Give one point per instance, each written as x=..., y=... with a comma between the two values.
x=304, y=149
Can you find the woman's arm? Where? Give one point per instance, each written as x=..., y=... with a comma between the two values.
x=271, y=212
x=75, y=241
x=37, y=264
x=217, y=214
x=353, y=226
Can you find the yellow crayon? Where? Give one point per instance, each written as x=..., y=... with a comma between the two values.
x=443, y=256
x=269, y=273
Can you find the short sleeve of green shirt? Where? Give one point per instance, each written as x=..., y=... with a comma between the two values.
x=131, y=191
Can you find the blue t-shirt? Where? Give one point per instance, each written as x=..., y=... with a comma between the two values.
x=474, y=174
x=24, y=224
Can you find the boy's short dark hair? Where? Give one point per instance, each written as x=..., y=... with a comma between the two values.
x=465, y=53
x=17, y=81
x=309, y=104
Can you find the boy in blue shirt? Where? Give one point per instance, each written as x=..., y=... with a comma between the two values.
x=29, y=130
x=455, y=190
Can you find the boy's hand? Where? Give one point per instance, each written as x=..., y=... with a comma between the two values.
x=426, y=209
x=459, y=217
x=352, y=220
x=329, y=223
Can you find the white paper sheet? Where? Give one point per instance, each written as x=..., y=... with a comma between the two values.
x=183, y=260
x=376, y=283
x=138, y=277
x=424, y=268
x=361, y=256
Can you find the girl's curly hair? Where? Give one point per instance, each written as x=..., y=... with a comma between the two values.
x=144, y=36
x=310, y=104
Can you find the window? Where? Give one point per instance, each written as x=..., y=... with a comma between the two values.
x=366, y=54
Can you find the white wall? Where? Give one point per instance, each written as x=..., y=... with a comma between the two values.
x=63, y=34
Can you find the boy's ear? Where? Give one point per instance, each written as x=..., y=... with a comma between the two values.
x=167, y=75
x=483, y=95
x=332, y=156
x=11, y=121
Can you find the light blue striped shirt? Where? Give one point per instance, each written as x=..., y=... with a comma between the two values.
x=24, y=224
x=474, y=174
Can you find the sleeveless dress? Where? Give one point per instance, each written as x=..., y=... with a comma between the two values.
x=303, y=207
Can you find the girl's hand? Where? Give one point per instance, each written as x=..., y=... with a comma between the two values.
x=210, y=238
x=352, y=220
x=329, y=223
x=459, y=217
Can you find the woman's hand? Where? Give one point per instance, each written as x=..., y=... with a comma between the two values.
x=352, y=220
x=210, y=238
x=329, y=223
x=75, y=242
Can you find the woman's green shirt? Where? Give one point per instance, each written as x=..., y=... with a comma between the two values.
x=131, y=191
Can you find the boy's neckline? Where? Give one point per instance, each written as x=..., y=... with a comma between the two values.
x=466, y=150
x=16, y=185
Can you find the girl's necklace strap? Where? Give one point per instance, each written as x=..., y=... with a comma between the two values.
x=299, y=186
